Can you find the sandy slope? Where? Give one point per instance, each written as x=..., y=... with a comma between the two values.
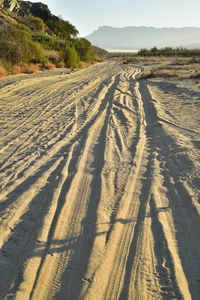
x=99, y=186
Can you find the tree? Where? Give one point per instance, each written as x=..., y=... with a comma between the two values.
x=62, y=29
x=84, y=49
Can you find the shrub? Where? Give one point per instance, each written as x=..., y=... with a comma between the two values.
x=29, y=69
x=22, y=27
x=48, y=66
x=16, y=69
x=48, y=42
x=166, y=73
x=53, y=56
x=37, y=24
x=36, y=52
x=17, y=46
x=84, y=49
x=71, y=57
x=182, y=76
x=3, y=72
x=157, y=73
x=96, y=58
x=60, y=64
x=85, y=64
x=146, y=75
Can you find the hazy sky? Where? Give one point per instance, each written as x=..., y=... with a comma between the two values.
x=88, y=15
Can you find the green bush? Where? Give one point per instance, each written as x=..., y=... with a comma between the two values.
x=48, y=42
x=96, y=58
x=37, y=24
x=37, y=53
x=84, y=49
x=70, y=57
x=17, y=46
x=22, y=27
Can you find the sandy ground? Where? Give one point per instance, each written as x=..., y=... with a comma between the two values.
x=100, y=186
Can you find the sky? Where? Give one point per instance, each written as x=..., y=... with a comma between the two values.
x=89, y=15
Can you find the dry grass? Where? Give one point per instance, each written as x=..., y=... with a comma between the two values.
x=32, y=68
x=49, y=66
x=29, y=69
x=180, y=62
x=60, y=64
x=16, y=70
x=145, y=75
x=157, y=73
x=84, y=64
x=185, y=61
x=182, y=76
x=167, y=73
x=3, y=72
x=52, y=56
x=7, y=18
x=145, y=61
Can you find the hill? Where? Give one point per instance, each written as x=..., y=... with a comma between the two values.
x=31, y=34
x=144, y=37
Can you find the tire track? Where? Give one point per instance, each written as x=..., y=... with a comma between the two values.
x=47, y=107
x=25, y=184
x=77, y=211
x=92, y=205
x=122, y=225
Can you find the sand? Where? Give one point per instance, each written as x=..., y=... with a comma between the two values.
x=100, y=185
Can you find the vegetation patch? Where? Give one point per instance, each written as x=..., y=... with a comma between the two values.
x=3, y=72
x=168, y=51
x=29, y=69
x=41, y=39
x=17, y=46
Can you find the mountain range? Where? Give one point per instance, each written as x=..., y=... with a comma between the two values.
x=137, y=37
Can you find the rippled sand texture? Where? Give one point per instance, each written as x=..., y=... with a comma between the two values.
x=100, y=188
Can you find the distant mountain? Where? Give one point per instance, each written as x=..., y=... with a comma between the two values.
x=144, y=37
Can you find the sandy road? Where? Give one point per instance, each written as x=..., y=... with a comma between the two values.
x=96, y=199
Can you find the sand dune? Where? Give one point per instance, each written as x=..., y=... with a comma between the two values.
x=100, y=189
